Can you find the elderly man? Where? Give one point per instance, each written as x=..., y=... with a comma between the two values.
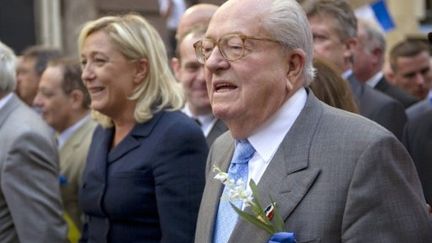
x=30, y=203
x=369, y=59
x=190, y=72
x=64, y=102
x=334, y=29
x=332, y=175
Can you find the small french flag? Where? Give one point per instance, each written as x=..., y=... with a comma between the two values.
x=382, y=15
x=377, y=10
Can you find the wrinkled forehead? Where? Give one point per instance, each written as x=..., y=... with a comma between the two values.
x=238, y=16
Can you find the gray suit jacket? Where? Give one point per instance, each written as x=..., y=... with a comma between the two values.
x=30, y=204
x=218, y=129
x=337, y=177
x=73, y=155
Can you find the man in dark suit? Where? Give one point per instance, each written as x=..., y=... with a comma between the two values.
x=419, y=108
x=418, y=141
x=30, y=203
x=331, y=174
x=424, y=105
x=369, y=57
x=190, y=73
x=334, y=27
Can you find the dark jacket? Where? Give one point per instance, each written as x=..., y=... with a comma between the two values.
x=148, y=188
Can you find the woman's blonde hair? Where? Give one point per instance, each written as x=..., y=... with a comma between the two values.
x=136, y=39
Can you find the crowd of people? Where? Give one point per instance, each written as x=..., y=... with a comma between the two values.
x=292, y=105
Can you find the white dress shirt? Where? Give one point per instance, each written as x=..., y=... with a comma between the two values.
x=206, y=121
x=267, y=139
x=373, y=81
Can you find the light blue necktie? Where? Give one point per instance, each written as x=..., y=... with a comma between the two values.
x=226, y=216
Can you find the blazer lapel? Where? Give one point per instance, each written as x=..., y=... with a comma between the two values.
x=132, y=140
x=287, y=179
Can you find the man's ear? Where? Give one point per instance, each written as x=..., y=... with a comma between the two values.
x=176, y=65
x=296, y=63
x=77, y=98
x=141, y=70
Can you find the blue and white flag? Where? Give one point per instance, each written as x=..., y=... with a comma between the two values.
x=379, y=12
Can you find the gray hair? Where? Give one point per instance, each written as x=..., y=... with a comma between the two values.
x=374, y=36
x=288, y=24
x=340, y=11
x=7, y=69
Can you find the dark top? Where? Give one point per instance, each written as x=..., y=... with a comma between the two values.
x=396, y=93
x=379, y=107
x=148, y=188
x=418, y=141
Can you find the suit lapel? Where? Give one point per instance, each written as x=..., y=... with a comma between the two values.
x=218, y=128
x=287, y=179
x=213, y=190
x=382, y=85
x=8, y=108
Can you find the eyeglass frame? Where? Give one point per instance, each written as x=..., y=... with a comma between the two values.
x=202, y=58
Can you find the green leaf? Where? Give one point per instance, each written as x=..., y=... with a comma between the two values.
x=252, y=219
x=278, y=223
x=259, y=211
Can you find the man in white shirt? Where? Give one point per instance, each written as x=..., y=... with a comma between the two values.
x=331, y=174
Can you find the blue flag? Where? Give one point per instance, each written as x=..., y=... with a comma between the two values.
x=382, y=15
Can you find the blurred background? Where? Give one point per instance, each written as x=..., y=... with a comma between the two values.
x=56, y=22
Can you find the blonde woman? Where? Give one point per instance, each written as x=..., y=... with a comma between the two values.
x=145, y=169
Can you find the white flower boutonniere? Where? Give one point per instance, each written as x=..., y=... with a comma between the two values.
x=267, y=218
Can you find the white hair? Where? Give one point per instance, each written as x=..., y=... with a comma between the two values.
x=287, y=23
x=7, y=69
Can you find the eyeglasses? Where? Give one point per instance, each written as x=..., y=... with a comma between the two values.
x=231, y=47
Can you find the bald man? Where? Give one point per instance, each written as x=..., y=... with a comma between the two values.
x=199, y=14
x=190, y=72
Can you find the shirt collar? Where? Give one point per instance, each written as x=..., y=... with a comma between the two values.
x=207, y=121
x=373, y=81
x=268, y=138
x=347, y=74
x=66, y=134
